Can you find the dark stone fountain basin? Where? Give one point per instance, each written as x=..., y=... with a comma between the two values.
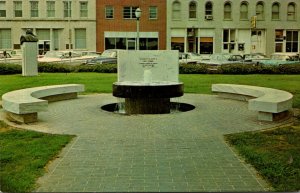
x=147, y=98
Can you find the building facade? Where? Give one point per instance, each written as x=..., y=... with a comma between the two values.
x=59, y=24
x=202, y=26
x=239, y=26
x=117, y=24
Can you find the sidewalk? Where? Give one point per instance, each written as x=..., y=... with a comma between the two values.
x=167, y=153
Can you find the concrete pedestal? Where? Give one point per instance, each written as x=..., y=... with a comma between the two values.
x=29, y=59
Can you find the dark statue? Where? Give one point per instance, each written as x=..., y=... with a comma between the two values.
x=28, y=37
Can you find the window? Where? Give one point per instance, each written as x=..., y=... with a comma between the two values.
x=244, y=11
x=124, y=43
x=291, y=41
x=278, y=40
x=43, y=34
x=152, y=12
x=177, y=43
x=109, y=12
x=84, y=9
x=5, y=39
x=34, y=8
x=275, y=11
x=227, y=10
x=291, y=12
x=228, y=40
x=176, y=11
x=192, y=10
x=148, y=44
x=80, y=38
x=206, y=45
x=208, y=8
x=129, y=12
x=50, y=8
x=2, y=9
x=18, y=8
x=260, y=11
x=67, y=9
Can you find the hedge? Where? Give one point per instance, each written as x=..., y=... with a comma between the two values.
x=183, y=68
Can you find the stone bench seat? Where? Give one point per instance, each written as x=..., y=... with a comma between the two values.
x=271, y=104
x=23, y=105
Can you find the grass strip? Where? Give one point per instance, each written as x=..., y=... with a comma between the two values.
x=193, y=83
x=24, y=155
x=274, y=153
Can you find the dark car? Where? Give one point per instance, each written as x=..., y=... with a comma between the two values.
x=101, y=60
x=107, y=57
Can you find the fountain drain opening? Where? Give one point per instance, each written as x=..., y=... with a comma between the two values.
x=175, y=107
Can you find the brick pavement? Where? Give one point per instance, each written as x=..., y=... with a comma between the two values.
x=155, y=153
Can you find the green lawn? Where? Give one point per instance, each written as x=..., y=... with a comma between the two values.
x=193, y=83
x=274, y=153
x=24, y=154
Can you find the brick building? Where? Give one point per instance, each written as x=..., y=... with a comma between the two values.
x=117, y=25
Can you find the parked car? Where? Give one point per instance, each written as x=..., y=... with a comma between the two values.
x=255, y=57
x=7, y=57
x=107, y=57
x=226, y=58
x=282, y=58
x=190, y=58
x=59, y=56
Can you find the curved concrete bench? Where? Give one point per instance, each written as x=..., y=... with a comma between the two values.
x=23, y=105
x=271, y=104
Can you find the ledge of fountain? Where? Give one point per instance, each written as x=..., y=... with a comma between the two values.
x=141, y=83
x=161, y=89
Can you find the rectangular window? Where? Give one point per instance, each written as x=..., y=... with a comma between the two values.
x=129, y=12
x=50, y=8
x=206, y=45
x=109, y=12
x=34, y=8
x=80, y=38
x=177, y=43
x=2, y=9
x=43, y=34
x=291, y=41
x=84, y=9
x=67, y=9
x=18, y=8
x=229, y=39
x=278, y=40
x=148, y=44
x=5, y=39
x=152, y=12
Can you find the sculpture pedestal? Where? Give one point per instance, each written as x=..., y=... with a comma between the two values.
x=29, y=59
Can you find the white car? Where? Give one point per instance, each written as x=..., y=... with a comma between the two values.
x=190, y=58
x=60, y=56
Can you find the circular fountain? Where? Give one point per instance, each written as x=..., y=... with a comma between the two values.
x=147, y=80
x=152, y=98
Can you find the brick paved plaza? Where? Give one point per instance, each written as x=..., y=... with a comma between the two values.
x=171, y=152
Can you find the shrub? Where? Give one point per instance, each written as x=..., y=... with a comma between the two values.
x=193, y=69
x=55, y=67
x=10, y=69
x=236, y=69
x=101, y=68
x=289, y=68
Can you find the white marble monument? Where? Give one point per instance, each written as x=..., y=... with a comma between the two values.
x=149, y=66
x=29, y=60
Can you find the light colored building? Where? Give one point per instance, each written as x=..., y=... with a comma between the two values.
x=59, y=24
x=239, y=26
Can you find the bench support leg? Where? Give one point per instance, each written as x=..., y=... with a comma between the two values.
x=25, y=118
x=265, y=116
